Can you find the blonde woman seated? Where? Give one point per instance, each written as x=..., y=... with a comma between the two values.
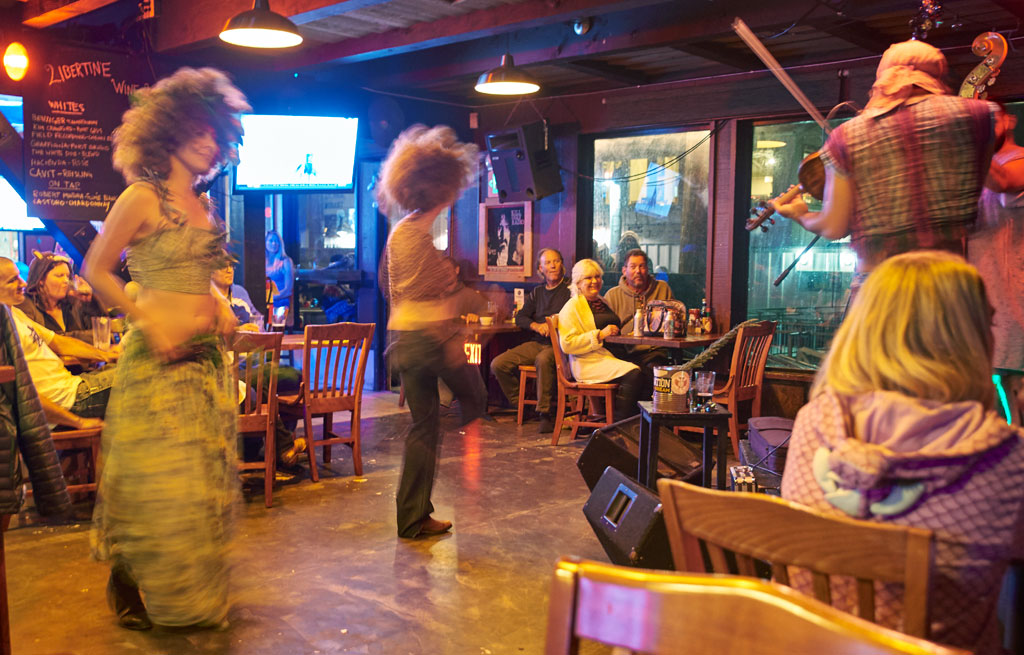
x=583, y=325
x=901, y=429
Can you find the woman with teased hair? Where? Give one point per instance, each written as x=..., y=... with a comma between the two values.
x=48, y=300
x=169, y=480
x=583, y=325
x=426, y=170
x=901, y=429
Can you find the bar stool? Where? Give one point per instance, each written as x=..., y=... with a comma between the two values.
x=525, y=373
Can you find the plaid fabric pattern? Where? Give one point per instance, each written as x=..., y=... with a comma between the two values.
x=917, y=173
x=973, y=502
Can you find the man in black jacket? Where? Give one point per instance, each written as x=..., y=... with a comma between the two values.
x=544, y=300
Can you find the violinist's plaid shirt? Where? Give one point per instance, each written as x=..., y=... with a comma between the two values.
x=917, y=173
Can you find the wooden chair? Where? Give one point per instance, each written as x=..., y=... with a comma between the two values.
x=87, y=439
x=784, y=534
x=745, y=376
x=525, y=373
x=255, y=352
x=661, y=613
x=576, y=393
x=333, y=363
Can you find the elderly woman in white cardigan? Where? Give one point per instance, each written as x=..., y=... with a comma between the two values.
x=583, y=325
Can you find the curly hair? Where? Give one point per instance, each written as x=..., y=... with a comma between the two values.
x=174, y=110
x=426, y=167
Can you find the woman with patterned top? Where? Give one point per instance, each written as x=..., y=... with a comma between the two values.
x=901, y=429
x=583, y=325
x=169, y=481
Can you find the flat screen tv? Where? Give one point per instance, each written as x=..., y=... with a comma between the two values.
x=13, y=212
x=296, y=153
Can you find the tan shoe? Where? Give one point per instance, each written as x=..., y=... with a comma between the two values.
x=290, y=456
x=431, y=526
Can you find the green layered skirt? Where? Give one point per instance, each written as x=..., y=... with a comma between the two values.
x=169, y=483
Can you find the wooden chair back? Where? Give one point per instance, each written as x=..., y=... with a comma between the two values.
x=661, y=613
x=256, y=361
x=748, y=361
x=746, y=527
x=562, y=371
x=333, y=365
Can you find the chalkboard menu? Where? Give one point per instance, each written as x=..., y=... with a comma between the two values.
x=73, y=102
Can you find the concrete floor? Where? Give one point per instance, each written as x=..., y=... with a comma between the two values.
x=323, y=571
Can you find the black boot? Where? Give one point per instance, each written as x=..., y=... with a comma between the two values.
x=123, y=597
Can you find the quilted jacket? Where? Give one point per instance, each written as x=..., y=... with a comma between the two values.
x=24, y=434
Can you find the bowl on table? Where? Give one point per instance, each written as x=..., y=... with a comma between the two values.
x=486, y=320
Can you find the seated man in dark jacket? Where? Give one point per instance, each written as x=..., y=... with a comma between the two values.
x=544, y=300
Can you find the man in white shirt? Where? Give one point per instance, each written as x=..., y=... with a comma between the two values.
x=78, y=401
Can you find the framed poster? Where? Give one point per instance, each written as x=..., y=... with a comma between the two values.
x=506, y=241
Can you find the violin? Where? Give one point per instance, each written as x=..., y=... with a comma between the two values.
x=812, y=180
x=991, y=47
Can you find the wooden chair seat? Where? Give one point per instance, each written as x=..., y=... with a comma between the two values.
x=333, y=365
x=746, y=527
x=666, y=613
x=526, y=373
x=576, y=394
x=255, y=352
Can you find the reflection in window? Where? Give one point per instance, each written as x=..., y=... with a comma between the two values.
x=327, y=231
x=651, y=192
x=808, y=305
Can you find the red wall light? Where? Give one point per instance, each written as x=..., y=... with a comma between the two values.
x=16, y=61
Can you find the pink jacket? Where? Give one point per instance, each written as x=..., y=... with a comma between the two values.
x=955, y=469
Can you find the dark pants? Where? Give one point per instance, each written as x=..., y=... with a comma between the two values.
x=627, y=395
x=94, y=392
x=532, y=353
x=423, y=357
x=288, y=381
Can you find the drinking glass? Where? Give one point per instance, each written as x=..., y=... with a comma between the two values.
x=101, y=332
x=704, y=384
x=256, y=319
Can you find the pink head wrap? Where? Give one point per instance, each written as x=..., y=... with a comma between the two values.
x=904, y=66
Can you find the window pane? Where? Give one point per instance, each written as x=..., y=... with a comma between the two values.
x=327, y=230
x=808, y=305
x=651, y=192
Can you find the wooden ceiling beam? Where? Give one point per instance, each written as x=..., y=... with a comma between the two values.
x=610, y=72
x=716, y=52
x=853, y=32
x=1014, y=7
x=44, y=13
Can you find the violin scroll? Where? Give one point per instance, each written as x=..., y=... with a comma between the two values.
x=992, y=47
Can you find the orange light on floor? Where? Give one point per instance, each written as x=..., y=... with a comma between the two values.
x=473, y=352
x=16, y=61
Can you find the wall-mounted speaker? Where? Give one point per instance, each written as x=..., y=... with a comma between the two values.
x=524, y=163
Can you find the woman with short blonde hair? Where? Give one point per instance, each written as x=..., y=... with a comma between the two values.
x=900, y=429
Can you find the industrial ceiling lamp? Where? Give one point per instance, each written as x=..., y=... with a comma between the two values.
x=261, y=28
x=506, y=80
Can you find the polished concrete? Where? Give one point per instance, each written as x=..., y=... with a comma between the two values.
x=323, y=571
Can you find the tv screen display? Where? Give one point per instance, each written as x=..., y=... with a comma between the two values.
x=296, y=153
x=13, y=212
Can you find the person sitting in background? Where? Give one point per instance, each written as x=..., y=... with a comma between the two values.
x=543, y=300
x=238, y=298
x=583, y=324
x=47, y=301
x=635, y=289
x=77, y=401
x=900, y=429
x=470, y=304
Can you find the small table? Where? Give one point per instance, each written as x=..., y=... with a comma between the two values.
x=713, y=422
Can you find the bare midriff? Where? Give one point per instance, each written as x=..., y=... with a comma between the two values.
x=181, y=315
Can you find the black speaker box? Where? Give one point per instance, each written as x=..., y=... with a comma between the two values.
x=524, y=169
x=618, y=445
x=628, y=521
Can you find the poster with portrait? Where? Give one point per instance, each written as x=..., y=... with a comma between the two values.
x=506, y=241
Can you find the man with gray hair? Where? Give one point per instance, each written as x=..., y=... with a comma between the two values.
x=543, y=301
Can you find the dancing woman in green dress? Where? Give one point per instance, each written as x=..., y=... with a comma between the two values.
x=169, y=481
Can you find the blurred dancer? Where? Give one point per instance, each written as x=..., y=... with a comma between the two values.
x=169, y=478
x=426, y=171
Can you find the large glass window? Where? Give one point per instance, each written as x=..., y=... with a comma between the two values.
x=651, y=192
x=808, y=305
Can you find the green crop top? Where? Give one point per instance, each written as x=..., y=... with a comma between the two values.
x=178, y=258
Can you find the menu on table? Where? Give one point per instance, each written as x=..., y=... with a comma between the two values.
x=73, y=102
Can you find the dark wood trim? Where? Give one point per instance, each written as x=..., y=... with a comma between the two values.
x=619, y=74
x=44, y=13
x=721, y=54
x=740, y=248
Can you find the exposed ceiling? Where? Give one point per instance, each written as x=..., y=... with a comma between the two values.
x=436, y=48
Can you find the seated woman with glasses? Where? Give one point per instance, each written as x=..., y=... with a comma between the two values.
x=583, y=325
x=49, y=301
x=901, y=429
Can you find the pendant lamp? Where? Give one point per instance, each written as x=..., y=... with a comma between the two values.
x=506, y=80
x=261, y=28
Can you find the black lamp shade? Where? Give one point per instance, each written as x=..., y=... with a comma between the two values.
x=261, y=28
